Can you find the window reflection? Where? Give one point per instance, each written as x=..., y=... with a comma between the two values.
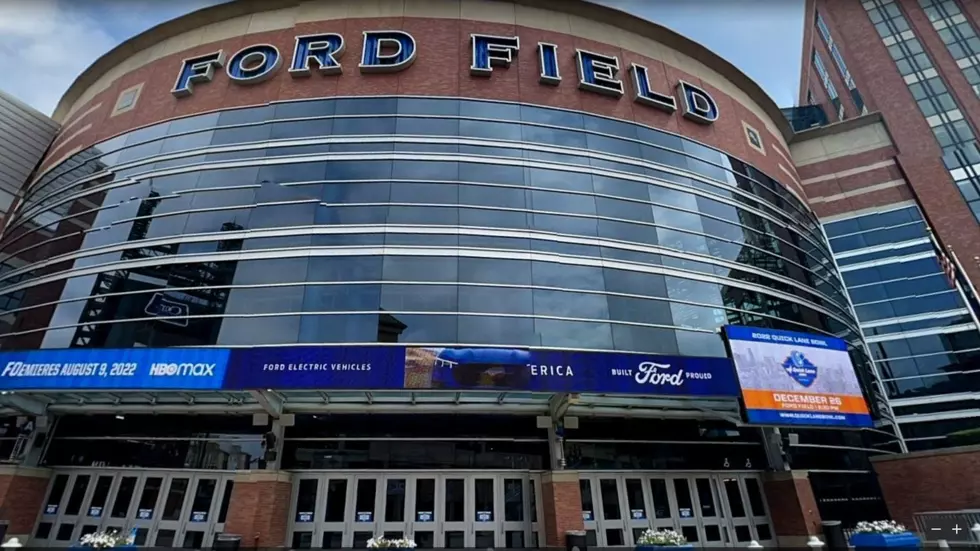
x=347, y=197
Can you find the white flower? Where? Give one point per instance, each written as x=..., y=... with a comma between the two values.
x=879, y=527
x=661, y=537
x=381, y=542
x=103, y=540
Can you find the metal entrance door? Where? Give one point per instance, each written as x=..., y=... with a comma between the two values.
x=710, y=510
x=437, y=510
x=160, y=508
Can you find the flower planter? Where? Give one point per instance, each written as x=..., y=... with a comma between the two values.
x=685, y=547
x=869, y=540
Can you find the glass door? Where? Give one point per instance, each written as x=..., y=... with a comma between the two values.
x=437, y=510
x=482, y=508
x=68, y=511
x=714, y=531
x=513, y=511
x=146, y=508
x=394, y=503
x=176, y=500
x=745, y=509
x=424, y=514
x=322, y=512
x=589, y=515
x=637, y=507
x=686, y=522
x=758, y=511
x=338, y=515
x=662, y=504
x=537, y=527
x=364, y=511
x=116, y=511
x=175, y=508
x=199, y=517
x=453, y=526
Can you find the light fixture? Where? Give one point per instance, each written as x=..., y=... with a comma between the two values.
x=120, y=416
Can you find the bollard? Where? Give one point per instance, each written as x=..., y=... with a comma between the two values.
x=814, y=543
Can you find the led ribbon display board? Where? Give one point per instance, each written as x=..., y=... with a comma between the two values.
x=366, y=368
x=792, y=378
x=130, y=368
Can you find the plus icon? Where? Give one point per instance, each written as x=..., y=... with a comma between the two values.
x=957, y=529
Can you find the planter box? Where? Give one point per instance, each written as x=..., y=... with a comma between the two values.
x=685, y=547
x=905, y=539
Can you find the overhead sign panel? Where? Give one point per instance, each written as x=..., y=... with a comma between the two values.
x=119, y=369
x=790, y=378
x=384, y=367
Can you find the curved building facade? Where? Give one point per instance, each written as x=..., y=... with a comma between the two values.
x=532, y=177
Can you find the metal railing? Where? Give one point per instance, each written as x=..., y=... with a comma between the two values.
x=805, y=117
x=954, y=527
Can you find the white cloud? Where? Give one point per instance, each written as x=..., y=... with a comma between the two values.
x=44, y=45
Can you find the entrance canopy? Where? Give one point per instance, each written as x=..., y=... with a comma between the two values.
x=278, y=402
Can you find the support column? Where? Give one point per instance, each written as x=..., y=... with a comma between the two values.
x=22, y=491
x=259, y=508
x=792, y=506
x=562, y=505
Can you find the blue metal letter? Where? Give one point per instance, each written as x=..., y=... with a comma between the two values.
x=253, y=64
x=490, y=51
x=374, y=59
x=321, y=49
x=597, y=73
x=548, y=59
x=645, y=93
x=196, y=69
x=699, y=106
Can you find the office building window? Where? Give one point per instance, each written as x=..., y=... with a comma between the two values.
x=959, y=36
x=841, y=65
x=828, y=85
x=942, y=112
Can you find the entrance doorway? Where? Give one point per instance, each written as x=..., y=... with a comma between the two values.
x=709, y=509
x=438, y=510
x=161, y=508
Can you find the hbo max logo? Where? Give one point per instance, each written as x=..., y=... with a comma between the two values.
x=181, y=370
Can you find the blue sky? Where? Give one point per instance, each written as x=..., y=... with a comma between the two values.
x=45, y=44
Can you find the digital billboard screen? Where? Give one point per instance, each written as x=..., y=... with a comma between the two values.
x=366, y=368
x=790, y=378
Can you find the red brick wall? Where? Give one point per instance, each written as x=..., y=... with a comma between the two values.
x=562, y=506
x=946, y=480
x=829, y=178
x=259, y=510
x=792, y=507
x=920, y=156
x=440, y=69
x=21, y=496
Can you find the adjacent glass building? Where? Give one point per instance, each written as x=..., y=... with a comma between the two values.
x=919, y=326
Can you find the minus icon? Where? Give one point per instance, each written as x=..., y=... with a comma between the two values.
x=935, y=529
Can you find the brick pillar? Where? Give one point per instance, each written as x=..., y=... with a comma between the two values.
x=562, y=506
x=22, y=491
x=793, y=508
x=259, y=508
